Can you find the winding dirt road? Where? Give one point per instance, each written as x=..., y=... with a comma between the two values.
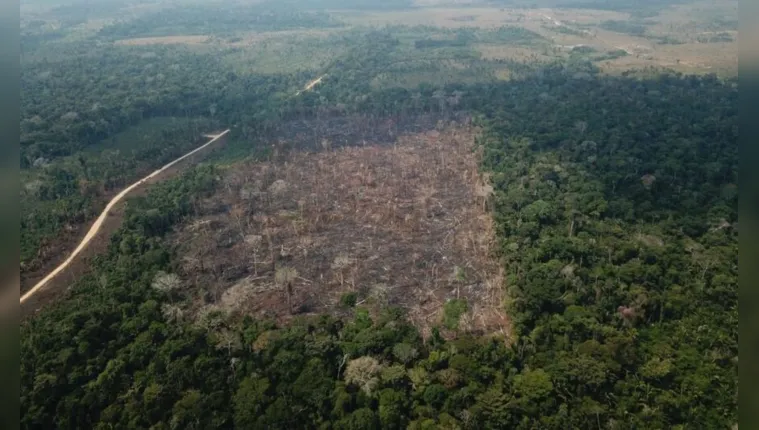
x=311, y=84
x=93, y=231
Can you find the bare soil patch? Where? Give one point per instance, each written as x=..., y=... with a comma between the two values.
x=404, y=224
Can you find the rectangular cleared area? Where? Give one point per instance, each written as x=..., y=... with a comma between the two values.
x=405, y=224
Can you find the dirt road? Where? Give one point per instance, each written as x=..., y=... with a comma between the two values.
x=93, y=231
x=311, y=84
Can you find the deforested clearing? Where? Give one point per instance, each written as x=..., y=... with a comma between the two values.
x=405, y=224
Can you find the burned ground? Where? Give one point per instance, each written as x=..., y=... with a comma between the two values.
x=402, y=224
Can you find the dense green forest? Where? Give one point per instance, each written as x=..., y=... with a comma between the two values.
x=86, y=81
x=76, y=109
x=78, y=98
x=615, y=201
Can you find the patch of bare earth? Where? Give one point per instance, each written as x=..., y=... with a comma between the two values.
x=403, y=224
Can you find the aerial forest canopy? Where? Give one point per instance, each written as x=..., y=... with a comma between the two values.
x=616, y=214
x=610, y=198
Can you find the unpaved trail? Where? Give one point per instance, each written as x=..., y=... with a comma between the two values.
x=311, y=84
x=93, y=231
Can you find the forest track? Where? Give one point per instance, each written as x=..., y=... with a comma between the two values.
x=92, y=233
x=311, y=84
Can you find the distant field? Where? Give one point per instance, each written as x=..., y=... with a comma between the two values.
x=282, y=52
x=721, y=59
x=477, y=17
x=247, y=38
x=163, y=40
x=695, y=38
x=699, y=37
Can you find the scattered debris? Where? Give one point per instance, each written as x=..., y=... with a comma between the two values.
x=389, y=223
